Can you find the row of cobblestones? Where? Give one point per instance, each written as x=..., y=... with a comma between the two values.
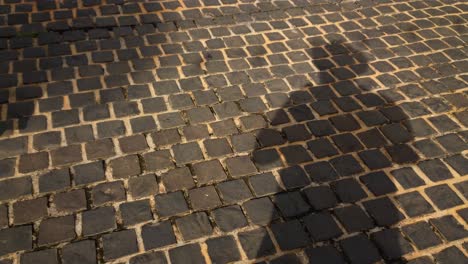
x=222, y=131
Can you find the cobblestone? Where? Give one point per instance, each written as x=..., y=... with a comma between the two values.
x=217, y=131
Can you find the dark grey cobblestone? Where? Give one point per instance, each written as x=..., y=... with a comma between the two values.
x=217, y=131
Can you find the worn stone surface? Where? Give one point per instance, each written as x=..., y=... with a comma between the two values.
x=191, y=131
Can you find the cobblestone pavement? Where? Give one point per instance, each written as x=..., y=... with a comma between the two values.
x=217, y=131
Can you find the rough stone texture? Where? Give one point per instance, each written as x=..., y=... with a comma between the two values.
x=233, y=130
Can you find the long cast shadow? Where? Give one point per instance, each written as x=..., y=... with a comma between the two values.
x=355, y=137
x=336, y=144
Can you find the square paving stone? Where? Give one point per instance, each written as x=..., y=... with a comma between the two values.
x=70, y=201
x=32, y=162
x=383, y=211
x=152, y=257
x=293, y=177
x=269, y=137
x=462, y=188
x=320, y=197
x=170, y=120
x=275, y=118
x=98, y=220
x=194, y=226
x=16, y=238
x=135, y=212
x=193, y=132
x=192, y=252
x=392, y=243
x=177, y=179
x=234, y=191
x=15, y=188
x=100, y=149
x=66, y=155
x=204, y=198
x=322, y=148
x=142, y=124
x=55, y=230
x=321, y=171
x=224, y=128
x=407, y=177
x=345, y=123
x=142, y=186
x=372, y=138
x=297, y=132
x=374, y=159
x=359, y=249
x=229, y=218
x=321, y=128
x=348, y=190
x=244, y=142
x=450, y=255
x=452, y=143
x=209, y=171
x=170, y=204
x=295, y=154
x=287, y=258
x=226, y=110
x=158, y=235
x=346, y=165
x=422, y=235
x=108, y=192
x=378, y=183
x=4, y=216
x=396, y=133
x=435, y=169
x=290, y=235
x=80, y=252
x=402, y=154
x=443, y=196
x=429, y=148
x=414, y=204
x=125, y=167
x=322, y=226
x=223, y=249
x=119, y=244
x=166, y=137
x=89, y=172
x=264, y=184
x=267, y=159
x=187, y=153
x=217, y=147
x=158, y=160
x=260, y=211
x=200, y=115
x=42, y=256
x=449, y=227
x=291, y=204
x=353, y=218
x=240, y=166
x=29, y=211
x=419, y=127
x=346, y=142
x=131, y=144
x=256, y=243
x=458, y=163
x=325, y=254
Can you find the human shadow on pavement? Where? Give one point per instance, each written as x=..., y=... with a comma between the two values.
x=338, y=145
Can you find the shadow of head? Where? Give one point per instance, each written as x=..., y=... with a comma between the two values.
x=332, y=142
x=332, y=104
